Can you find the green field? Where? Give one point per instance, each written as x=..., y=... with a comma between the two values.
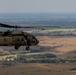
x=54, y=30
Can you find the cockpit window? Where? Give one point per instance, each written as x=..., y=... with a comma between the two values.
x=4, y=39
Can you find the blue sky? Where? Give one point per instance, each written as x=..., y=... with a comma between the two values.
x=39, y=6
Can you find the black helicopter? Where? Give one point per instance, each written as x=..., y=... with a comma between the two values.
x=16, y=37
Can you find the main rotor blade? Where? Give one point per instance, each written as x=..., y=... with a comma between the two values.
x=10, y=26
x=5, y=25
x=37, y=27
x=40, y=27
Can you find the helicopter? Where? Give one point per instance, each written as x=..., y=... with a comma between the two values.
x=17, y=37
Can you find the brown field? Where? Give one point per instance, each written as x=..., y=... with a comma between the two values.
x=59, y=44
x=64, y=43
x=38, y=69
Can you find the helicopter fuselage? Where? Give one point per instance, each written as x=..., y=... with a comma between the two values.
x=12, y=40
x=17, y=38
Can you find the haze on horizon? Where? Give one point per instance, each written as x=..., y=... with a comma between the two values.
x=37, y=6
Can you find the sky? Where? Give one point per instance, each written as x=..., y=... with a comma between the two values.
x=37, y=6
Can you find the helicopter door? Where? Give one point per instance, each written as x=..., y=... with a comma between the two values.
x=17, y=42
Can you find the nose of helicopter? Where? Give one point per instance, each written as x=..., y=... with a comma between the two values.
x=37, y=42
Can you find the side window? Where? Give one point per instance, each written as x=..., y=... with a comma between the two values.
x=22, y=39
x=4, y=39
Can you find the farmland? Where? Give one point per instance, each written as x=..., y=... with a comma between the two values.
x=59, y=49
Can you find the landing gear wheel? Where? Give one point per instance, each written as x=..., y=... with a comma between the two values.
x=16, y=47
x=27, y=47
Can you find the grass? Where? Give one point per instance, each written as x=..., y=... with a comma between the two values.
x=4, y=57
